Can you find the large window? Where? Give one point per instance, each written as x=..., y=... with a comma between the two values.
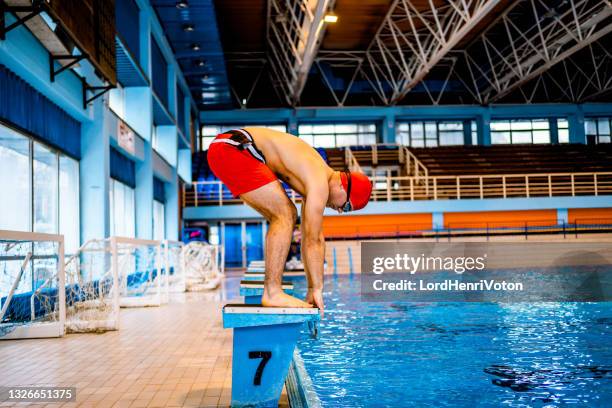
x=520, y=131
x=209, y=132
x=40, y=188
x=597, y=130
x=338, y=134
x=159, y=220
x=15, y=172
x=562, y=130
x=430, y=134
x=123, y=210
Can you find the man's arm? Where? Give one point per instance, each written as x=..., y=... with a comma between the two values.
x=313, y=242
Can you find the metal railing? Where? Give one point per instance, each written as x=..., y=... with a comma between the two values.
x=414, y=188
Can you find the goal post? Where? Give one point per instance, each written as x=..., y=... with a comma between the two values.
x=32, y=281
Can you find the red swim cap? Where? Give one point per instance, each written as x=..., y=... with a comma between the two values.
x=360, y=189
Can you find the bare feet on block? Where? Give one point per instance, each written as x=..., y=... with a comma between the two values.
x=281, y=299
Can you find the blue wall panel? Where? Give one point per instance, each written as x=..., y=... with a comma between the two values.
x=233, y=245
x=122, y=169
x=26, y=108
x=254, y=242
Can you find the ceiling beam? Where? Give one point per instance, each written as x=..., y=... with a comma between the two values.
x=503, y=60
x=295, y=31
x=412, y=40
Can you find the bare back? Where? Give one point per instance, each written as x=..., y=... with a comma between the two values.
x=291, y=159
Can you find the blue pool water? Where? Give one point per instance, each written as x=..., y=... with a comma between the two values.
x=459, y=354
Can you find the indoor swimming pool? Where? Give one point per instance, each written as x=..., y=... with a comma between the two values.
x=458, y=354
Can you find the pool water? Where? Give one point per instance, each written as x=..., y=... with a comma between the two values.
x=458, y=354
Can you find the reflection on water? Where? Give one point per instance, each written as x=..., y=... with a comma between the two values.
x=459, y=354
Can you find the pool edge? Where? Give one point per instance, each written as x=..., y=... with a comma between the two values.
x=299, y=386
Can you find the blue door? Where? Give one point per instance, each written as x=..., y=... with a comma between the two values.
x=233, y=245
x=254, y=242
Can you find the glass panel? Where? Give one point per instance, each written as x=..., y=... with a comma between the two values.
x=521, y=137
x=416, y=130
x=130, y=212
x=346, y=129
x=210, y=130
x=324, y=141
x=603, y=126
x=563, y=136
x=206, y=142
x=590, y=127
x=604, y=139
x=417, y=143
x=451, y=138
x=500, y=137
x=45, y=190
x=500, y=125
x=69, y=203
x=541, y=136
x=520, y=125
x=431, y=142
x=540, y=124
x=346, y=140
x=308, y=139
x=401, y=137
x=323, y=129
x=450, y=126
x=15, y=205
x=562, y=124
x=431, y=131
x=303, y=129
x=403, y=127
x=367, y=139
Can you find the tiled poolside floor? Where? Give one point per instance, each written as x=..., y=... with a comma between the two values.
x=171, y=356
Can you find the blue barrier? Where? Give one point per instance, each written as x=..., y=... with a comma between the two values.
x=252, y=290
x=264, y=342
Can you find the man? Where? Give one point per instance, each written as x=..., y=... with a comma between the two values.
x=250, y=162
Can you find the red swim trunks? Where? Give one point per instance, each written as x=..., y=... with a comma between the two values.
x=241, y=167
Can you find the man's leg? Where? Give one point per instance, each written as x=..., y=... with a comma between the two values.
x=272, y=202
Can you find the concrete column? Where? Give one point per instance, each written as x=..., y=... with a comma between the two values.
x=562, y=216
x=437, y=220
x=144, y=194
x=483, y=126
x=554, y=131
x=172, y=208
x=576, y=127
x=292, y=124
x=95, y=175
x=145, y=44
x=388, y=129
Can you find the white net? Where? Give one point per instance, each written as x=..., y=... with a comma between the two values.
x=92, y=304
x=30, y=275
x=143, y=283
x=202, y=266
x=173, y=254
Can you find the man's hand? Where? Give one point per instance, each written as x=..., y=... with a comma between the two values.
x=315, y=298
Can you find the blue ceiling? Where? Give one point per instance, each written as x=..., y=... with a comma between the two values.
x=204, y=68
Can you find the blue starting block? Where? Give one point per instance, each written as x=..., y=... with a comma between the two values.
x=287, y=275
x=264, y=341
x=252, y=290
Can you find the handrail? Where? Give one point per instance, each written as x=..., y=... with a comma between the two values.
x=425, y=187
x=351, y=161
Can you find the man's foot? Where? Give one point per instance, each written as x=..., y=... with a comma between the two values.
x=281, y=299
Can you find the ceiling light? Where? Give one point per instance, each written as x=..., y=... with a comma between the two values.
x=200, y=63
x=330, y=18
x=188, y=27
x=204, y=78
x=182, y=4
x=195, y=47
